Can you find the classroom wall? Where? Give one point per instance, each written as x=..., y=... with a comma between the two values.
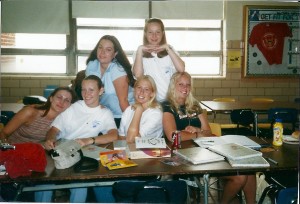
x=14, y=88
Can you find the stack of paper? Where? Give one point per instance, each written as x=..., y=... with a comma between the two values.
x=199, y=155
x=206, y=142
x=240, y=156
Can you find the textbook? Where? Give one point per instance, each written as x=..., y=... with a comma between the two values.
x=93, y=151
x=198, y=155
x=257, y=161
x=143, y=153
x=234, y=151
x=206, y=142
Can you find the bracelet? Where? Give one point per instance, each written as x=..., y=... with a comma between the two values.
x=93, y=138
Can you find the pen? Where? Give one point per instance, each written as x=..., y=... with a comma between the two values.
x=272, y=160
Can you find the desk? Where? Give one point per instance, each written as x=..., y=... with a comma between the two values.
x=15, y=107
x=221, y=107
x=286, y=156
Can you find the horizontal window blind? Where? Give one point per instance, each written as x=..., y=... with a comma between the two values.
x=110, y=9
x=212, y=10
x=35, y=16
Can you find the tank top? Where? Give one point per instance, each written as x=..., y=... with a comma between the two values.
x=35, y=132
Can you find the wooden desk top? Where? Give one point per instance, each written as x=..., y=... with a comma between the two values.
x=217, y=106
x=286, y=156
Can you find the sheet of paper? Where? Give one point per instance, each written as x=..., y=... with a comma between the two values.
x=150, y=142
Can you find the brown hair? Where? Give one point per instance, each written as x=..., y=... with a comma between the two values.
x=163, y=40
x=120, y=57
x=46, y=106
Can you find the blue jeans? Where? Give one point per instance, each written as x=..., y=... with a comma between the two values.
x=103, y=194
x=78, y=195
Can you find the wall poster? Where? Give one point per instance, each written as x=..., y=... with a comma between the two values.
x=272, y=41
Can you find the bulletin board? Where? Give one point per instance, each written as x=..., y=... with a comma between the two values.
x=272, y=41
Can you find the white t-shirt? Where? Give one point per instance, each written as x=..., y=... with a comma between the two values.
x=161, y=70
x=81, y=121
x=150, y=124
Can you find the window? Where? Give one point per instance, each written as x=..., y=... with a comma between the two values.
x=62, y=44
x=33, y=53
x=197, y=41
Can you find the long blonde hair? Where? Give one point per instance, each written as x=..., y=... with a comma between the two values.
x=152, y=103
x=191, y=104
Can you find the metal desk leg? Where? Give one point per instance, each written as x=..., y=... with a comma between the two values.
x=19, y=191
x=206, y=184
x=255, y=124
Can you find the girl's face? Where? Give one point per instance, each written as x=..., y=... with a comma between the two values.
x=183, y=87
x=61, y=101
x=90, y=93
x=143, y=92
x=105, y=51
x=154, y=33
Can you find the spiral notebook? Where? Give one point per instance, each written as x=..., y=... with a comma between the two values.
x=198, y=155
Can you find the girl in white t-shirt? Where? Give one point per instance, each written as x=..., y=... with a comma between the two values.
x=144, y=118
x=86, y=121
x=157, y=58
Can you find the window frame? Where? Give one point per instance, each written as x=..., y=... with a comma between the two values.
x=72, y=53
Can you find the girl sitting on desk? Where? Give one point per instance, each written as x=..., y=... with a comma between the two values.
x=182, y=112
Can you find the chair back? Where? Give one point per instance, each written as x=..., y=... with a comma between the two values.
x=265, y=100
x=6, y=116
x=287, y=115
x=224, y=99
x=216, y=129
x=243, y=118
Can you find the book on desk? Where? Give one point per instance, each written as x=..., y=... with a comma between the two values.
x=206, y=142
x=234, y=151
x=257, y=161
x=144, y=153
x=198, y=155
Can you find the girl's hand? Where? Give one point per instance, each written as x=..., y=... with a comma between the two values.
x=191, y=129
x=49, y=144
x=84, y=141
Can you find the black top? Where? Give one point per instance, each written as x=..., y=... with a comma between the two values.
x=182, y=118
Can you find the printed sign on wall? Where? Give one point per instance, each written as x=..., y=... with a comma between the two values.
x=272, y=41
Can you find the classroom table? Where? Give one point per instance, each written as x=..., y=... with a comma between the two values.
x=257, y=107
x=262, y=107
x=14, y=107
x=286, y=156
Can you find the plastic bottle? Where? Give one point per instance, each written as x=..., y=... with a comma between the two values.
x=277, y=132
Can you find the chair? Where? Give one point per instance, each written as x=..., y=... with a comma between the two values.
x=289, y=120
x=224, y=99
x=150, y=191
x=281, y=189
x=215, y=129
x=243, y=118
x=264, y=100
x=6, y=116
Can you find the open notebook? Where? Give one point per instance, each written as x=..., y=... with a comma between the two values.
x=199, y=155
x=239, y=139
x=234, y=151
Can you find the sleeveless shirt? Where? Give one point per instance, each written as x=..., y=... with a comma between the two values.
x=35, y=132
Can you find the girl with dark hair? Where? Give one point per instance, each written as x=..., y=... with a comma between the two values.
x=109, y=62
x=156, y=58
x=32, y=122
